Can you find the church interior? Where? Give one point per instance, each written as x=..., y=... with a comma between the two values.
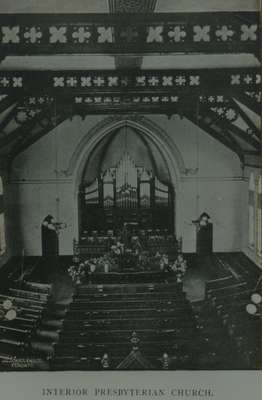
x=130, y=185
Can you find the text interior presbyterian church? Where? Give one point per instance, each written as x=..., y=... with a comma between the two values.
x=130, y=185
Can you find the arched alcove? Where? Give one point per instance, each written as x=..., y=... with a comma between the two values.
x=141, y=149
x=90, y=151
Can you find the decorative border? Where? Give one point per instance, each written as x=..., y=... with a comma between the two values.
x=170, y=82
x=29, y=107
x=110, y=33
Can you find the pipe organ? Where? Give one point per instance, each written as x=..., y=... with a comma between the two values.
x=126, y=194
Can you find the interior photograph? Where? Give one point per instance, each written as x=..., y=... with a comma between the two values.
x=130, y=185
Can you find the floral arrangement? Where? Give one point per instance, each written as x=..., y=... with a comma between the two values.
x=118, y=249
x=104, y=264
x=77, y=273
x=179, y=267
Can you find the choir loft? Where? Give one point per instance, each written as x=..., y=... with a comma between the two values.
x=130, y=185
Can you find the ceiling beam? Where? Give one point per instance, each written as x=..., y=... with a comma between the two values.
x=6, y=103
x=250, y=102
x=229, y=127
x=248, y=121
x=204, y=32
x=22, y=130
x=127, y=6
x=7, y=119
x=206, y=123
x=224, y=81
x=24, y=143
x=245, y=136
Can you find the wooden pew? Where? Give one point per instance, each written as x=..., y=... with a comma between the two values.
x=37, y=287
x=133, y=312
x=37, y=304
x=28, y=294
x=120, y=304
x=222, y=291
x=156, y=348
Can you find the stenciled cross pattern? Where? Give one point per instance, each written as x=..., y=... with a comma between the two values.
x=115, y=32
x=126, y=99
x=58, y=35
x=112, y=81
x=180, y=80
x=4, y=82
x=201, y=33
x=155, y=34
x=81, y=35
x=194, y=80
x=167, y=80
x=227, y=113
x=86, y=81
x=247, y=78
x=178, y=34
x=10, y=34
x=99, y=81
x=33, y=34
x=71, y=81
x=153, y=81
x=21, y=116
x=224, y=33
x=105, y=34
x=249, y=32
x=15, y=82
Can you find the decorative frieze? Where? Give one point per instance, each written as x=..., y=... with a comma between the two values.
x=171, y=82
x=111, y=33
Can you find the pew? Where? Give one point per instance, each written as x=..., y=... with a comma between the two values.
x=37, y=304
x=103, y=317
x=221, y=291
x=30, y=301
x=76, y=315
x=42, y=288
x=228, y=303
x=28, y=294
